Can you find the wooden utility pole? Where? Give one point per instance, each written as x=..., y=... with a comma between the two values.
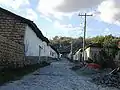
x=72, y=49
x=85, y=15
x=39, y=53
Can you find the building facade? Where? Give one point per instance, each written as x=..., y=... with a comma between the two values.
x=78, y=55
x=20, y=37
x=91, y=52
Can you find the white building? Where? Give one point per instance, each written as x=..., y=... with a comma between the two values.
x=27, y=37
x=37, y=46
x=33, y=42
x=69, y=55
x=78, y=55
x=91, y=52
x=53, y=52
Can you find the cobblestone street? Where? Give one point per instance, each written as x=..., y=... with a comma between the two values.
x=57, y=76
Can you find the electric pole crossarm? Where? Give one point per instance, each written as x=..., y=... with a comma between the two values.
x=84, y=15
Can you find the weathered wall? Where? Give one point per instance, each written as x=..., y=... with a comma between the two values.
x=93, y=53
x=32, y=43
x=52, y=53
x=11, y=53
x=78, y=55
x=12, y=27
x=12, y=31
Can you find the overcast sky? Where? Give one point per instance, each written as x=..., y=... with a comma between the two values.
x=60, y=17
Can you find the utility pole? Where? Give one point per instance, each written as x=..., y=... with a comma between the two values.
x=85, y=16
x=39, y=53
x=72, y=49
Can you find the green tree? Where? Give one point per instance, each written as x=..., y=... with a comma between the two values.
x=97, y=39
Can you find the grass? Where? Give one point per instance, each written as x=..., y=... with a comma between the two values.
x=10, y=74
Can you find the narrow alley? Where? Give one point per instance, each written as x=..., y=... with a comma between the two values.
x=57, y=76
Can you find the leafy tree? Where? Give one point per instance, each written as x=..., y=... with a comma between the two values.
x=98, y=39
x=65, y=42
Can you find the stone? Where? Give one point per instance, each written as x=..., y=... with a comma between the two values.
x=11, y=42
x=107, y=80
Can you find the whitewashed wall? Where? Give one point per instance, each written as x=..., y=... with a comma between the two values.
x=52, y=53
x=44, y=50
x=77, y=55
x=32, y=43
x=89, y=53
x=69, y=55
x=92, y=52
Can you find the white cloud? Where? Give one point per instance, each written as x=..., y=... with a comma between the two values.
x=46, y=18
x=59, y=8
x=94, y=13
x=107, y=31
x=57, y=24
x=76, y=5
x=47, y=8
x=110, y=11
x=31, y=14
x=15, y=4
x=67, y=29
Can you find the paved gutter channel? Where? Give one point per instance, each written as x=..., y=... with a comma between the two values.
x=57, y=76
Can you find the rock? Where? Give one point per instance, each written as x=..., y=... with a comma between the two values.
x=110, y=80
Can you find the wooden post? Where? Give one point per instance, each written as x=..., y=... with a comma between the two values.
x=39, y=53
x=85, y=15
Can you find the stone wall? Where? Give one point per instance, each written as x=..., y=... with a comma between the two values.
x=12, y=31
x=12, y=27
x=11, y=53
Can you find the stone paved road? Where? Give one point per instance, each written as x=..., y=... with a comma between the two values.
x=57, y=76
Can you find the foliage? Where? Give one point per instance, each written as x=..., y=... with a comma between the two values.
x=98, y=39
x=65, y=42
x=106, y=41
